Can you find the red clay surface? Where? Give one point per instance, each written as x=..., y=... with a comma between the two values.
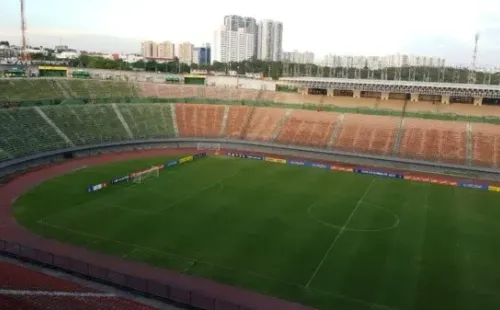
x=11, y=231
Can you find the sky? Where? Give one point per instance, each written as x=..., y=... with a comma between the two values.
x=443, y=28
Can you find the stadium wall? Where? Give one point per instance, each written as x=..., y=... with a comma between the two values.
x=30, y=162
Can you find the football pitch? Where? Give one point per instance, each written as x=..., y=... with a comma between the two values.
x=332, y=240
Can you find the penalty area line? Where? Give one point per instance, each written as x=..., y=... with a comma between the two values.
x=360, y=201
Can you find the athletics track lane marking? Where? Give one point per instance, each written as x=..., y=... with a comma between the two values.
x=193, y=261
x=360, y=201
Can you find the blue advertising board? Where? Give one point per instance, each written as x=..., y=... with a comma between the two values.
x=472, y=185
x=171, y=163
x=295, y=162
x=379, y=173
x=118, y=180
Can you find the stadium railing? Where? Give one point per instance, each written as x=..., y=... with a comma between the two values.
x=131, y=282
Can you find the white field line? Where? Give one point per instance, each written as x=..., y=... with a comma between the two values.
x=193, y=261
x=54, y=293
x=360, y=201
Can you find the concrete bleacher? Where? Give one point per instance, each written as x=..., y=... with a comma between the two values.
x=199, y=120
x=309, y=128
x=441, y=141
x=485, y=145
x=367, y=134
x=22, y=288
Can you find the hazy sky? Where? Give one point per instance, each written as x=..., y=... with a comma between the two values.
x=430, y=27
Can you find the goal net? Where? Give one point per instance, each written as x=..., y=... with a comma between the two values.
x=141, y=176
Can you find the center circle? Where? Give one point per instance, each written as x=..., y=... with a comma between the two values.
x=390, y=219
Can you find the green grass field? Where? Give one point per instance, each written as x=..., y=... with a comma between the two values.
x=333, y=240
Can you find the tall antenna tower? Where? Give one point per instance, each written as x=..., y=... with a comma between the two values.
x=472, y=70
x=24, y=49
x=474, y=56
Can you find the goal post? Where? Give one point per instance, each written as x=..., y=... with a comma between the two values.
x=141, y=176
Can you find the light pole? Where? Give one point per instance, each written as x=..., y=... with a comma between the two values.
x=238, y=76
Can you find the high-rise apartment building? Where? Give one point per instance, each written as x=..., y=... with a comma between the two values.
x=235, y=34
x=236, y=22
x=299, y=57
x=147, y=48
x=270, y=40
x=233, y=46
x=166, y=50
x=163, y=50
x=185, y=52
x=202, y=55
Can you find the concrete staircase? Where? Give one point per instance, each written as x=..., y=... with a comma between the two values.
x=247, y=121
x=123, y=121
x=280, y=124
x=224, y=122
x=336, y=131
x=65, y=85
x=469, y=144
x=174, y=120
x=54, y=126
x=62, y=89
x=397, y=143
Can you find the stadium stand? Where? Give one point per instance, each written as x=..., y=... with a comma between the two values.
x=88, y=124
x=433, y=140
x=16, y=90
x=237, y=120
x=309, y=128
x=367, y=134
x=24, y=132
x=485, y=145
x=264, y=124
x=197, y=120
x=25, y=289
x=148, y=121
x=29, y=130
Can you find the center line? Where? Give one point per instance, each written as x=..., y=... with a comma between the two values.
x=360, y=201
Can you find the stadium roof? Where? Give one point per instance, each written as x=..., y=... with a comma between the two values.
x=429, y=88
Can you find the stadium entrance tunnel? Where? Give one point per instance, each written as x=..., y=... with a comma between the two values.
x=368, y=217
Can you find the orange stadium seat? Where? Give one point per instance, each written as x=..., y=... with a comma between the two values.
x=237, y=119
x=309, y=128
x=486, y=145
x=367, y=134
x=432, y=140
x=263, y=124
x=199, y=120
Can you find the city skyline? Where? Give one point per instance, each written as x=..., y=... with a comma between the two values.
x=439, y=28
